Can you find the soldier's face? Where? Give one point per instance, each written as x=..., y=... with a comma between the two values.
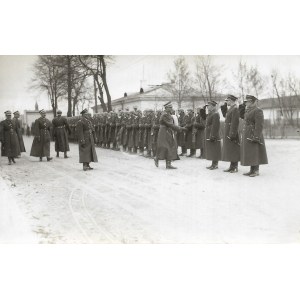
x=249, y=104
x=8, y=117
x=43, y=115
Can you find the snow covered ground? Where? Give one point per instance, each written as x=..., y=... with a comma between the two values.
x=126, y=199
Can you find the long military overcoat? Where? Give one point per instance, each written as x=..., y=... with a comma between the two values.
x=9, y=139
x=231, y=148
x=60, y=128
x=41, y=142
x=181, y=134
x=86, y=141
x=212, y=130
x=253, y=154
x=198, y=130
x=19, y=133
x=166, y=144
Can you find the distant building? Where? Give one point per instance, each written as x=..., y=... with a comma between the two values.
x=30, y=116
x=154, y=98
x=288, y=109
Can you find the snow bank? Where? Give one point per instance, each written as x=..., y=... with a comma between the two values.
x=13, y=225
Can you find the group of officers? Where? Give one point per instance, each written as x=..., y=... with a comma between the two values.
x=153, y=134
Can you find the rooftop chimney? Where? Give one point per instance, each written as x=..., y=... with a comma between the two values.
x=141, y=90
x=125, y=94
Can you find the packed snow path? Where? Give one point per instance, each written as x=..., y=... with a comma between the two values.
x=126, y=199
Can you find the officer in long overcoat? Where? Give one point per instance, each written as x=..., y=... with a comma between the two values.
x=253, y=149
x=86, y=141
x=212, y=135
x=166, y=144
x=198, y=135
x=189, y=133
x=9, y=139
x=41, y=142
x=19, y=130
x=181, y=134
x=231, y=141
x=60, y=129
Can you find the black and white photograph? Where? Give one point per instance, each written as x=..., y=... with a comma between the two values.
x=149, y=150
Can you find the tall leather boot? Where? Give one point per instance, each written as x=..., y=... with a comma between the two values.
x=13, y=160
x=192, y=153
x=169, y=166
x=201, y=154
x=255, y=171
x=9, y=160
x=65, y=155
x=250, y=172
x=57, y=153
x=183, y=151
x=234, y=167
x=213, y=166
x=85, y=166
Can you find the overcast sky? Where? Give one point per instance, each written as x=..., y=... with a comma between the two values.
x=124, y=75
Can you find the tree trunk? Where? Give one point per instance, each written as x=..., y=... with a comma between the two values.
x=69, y=114
x=103, y=77
x=95, y=96
x=104, y=108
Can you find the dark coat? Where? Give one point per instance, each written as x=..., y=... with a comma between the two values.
x=253, y=154
x=86, y=141
x=41, y=142
x=231, y=148
x=181, y=134
x=166, y=144
x=19, y=133
x=130, y=132
x=198, y=132
x=189, y=132
x=60, y=128
x=212, y=130
x=9, y=139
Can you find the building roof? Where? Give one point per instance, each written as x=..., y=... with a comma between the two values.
x=286, y=101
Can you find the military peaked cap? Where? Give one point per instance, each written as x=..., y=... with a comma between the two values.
x=16, y=112
x=85, y=111
x=42, y=111
x=231, y=97
x=250, y=98
x=168, y=105
x=212, y=102
x=8, y=113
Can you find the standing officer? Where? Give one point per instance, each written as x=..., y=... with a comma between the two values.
x=19, y=130
x=212, y=135
x=9, y=139
x=189, y=134
x=60, y=125
x=181, y=134
x=166, y=144
x=231, y=141
x=198, y=132
x=253, y=149
x=41, y=142
x=86, y=141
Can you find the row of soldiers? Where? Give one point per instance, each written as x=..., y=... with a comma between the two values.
x=136, y=131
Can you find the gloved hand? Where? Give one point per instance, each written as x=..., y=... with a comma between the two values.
x=256, y=140
x=233, y=137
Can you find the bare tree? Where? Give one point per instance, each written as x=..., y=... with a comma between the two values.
x=241, y=78
x=96, y=65
x=180, y=79
x=50, y=77
x=208, y=77
x=254, y=80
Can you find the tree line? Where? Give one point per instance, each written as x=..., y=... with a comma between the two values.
x=78, y=79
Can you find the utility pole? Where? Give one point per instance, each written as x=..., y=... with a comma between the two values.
x=69, y=114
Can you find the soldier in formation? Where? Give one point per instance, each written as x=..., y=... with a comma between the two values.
x=9, y=138
x=86, y=140
x=60, y=129
x=253, y=149
x=41, y=142
x=17, y=123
